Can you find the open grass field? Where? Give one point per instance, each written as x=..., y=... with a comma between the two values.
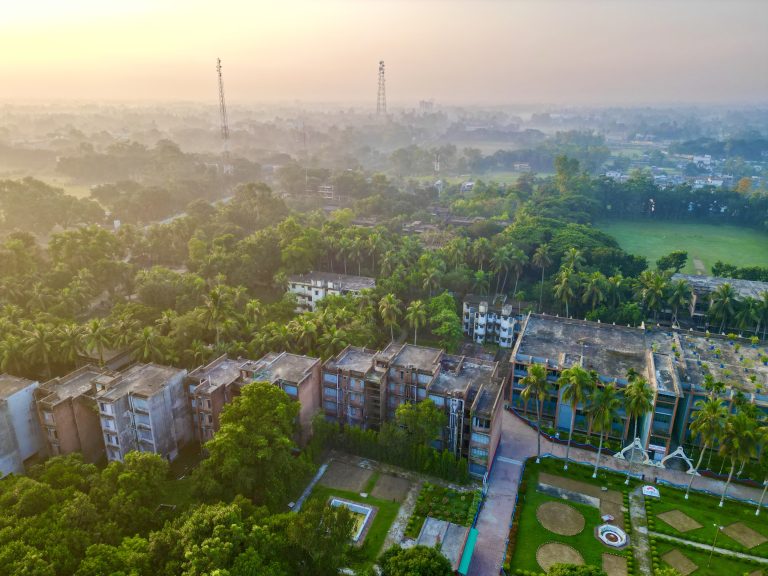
x=705, y=510
x=705, y=243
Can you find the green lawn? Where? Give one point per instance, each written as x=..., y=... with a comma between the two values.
x=365, y=555
x=705, y=510
x=719, y=566
x=707, y=243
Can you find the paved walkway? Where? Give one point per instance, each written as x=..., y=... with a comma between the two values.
x=708, y=548
x=640, y=542
x=518, y=443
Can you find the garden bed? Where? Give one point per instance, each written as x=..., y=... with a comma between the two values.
x=443, y=504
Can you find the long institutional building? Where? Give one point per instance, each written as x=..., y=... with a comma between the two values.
x=152, y=408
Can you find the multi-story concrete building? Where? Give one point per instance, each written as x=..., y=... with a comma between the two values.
x=210, y=388
x=297, y=376
x=364, y=388
x=68, y=415
x=674, y=364
x=312, y=287
x=20, y=434
x=145, y=408
x=485, y=321
x=703, y=286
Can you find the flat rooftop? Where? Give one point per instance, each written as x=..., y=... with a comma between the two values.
x=497, y=301
x=420, y=357
x=460, y=376
x=353, y=359
x=220, y=372
x=451, y=537
x=9, y=385
x=143, y=379
x=286, y=367
x=74, y=384
x=609, y=350
x=707, y=284
x=339, y=281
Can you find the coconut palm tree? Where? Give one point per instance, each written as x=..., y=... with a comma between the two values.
x=431, y=280
x=565, y=286
x=147, y=345
x=332, y=341
x=613, y=290
x=722, y=303
x=481, y=248
x=763, y=311
x=535, y=385
x=573, y=259
x=70, y=342
x=389, y=309
x=762, y=436
x=217, y=306
x=748, y=315
x=603, y=406
x=679, y=297
x=594, y=290
x=653, y=289
x=416, y=315
x=542, y=258
x=39, y=341
x=738, y=444
x=98, y=337
x=12, y=355
x=707, y=425
x=517, y=261
x=638, y=400
x=575, y=387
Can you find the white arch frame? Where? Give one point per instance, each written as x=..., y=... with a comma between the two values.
x=636, y=445
x=680, y=453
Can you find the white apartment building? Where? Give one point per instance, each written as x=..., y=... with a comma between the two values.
x=485, y=321
x=312, y=287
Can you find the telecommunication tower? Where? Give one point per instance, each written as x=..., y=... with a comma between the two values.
x=224, y=122
x=381, y=102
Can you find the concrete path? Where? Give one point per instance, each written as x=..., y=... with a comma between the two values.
x=708, y=548
x=397, y=530
x=641, y=544
x=310, y=487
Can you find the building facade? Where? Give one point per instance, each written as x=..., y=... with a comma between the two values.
x=68, y=414
x=364, y=388
x=210, y=388
x=20, y=434
x=312, y=287
x=145, y=409
x=485, y=321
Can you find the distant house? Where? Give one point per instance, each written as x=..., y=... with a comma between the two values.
x=485, y=321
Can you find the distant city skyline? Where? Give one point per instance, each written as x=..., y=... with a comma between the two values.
x=580, y=52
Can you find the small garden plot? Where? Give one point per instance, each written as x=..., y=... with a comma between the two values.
x=345, y=476
x=443, y=504
x=693, y=520
x=694, y=561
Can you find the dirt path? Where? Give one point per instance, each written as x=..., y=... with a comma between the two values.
x=700, y=268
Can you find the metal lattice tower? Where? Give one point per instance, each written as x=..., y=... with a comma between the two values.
x=381, y=101
x=223, y=114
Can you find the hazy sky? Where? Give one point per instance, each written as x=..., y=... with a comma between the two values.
x=471, y=51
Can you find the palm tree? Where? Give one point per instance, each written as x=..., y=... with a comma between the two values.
x=542, y=258
x=564, y=286
x=198, y=351
x=575, y=386
x=738, y=444
x=501, y=260
x=98, y=337
x=374, y=246
x=707, y=425
x=762, y=436
x=416, y=315
x=431, y=280
x=638, y=399
x=70, y=342
x=38, y=343
x=12, y=355
x=517, y=261
x=604, y=405
x=722, y=302
x=679, y=297
x=594, y=290
x=535, y=385
x=763, y=311
x=332, y=341
x=613, y=290
x=389, y=309
x=573, y=259
x=147, y=345
x=216, y=308
x=653, y=288
x=481, y=248
x=482, y=282
x=748, y=315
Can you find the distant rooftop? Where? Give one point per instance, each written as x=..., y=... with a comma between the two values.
x=74, y=384
x=286, y=367
x=353, y=359
x=420, y=357
x=707, y=284
x=495, y=301
x=220, y=372
x=459, y=375
x=335, y=281
x=9, y=385
x=143, y=379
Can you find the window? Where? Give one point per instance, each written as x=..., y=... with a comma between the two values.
x=481, y=423
x=48, y=417
x=480, y=453
x=291, y=390
x=328, y=405
x=480, y=438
